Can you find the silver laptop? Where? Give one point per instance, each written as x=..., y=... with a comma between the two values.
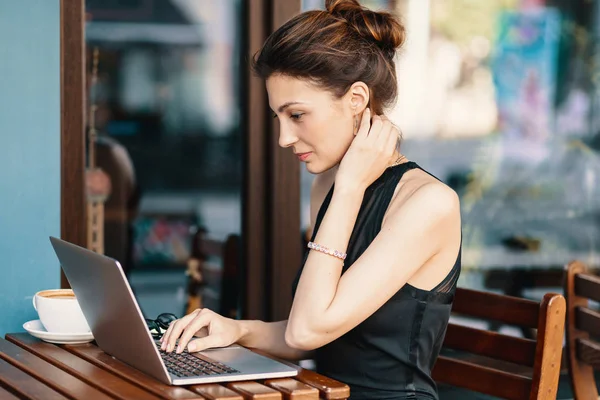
x=120, y=330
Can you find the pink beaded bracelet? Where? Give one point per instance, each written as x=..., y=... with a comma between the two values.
x=323, y=249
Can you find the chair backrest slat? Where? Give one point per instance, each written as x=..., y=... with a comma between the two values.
x=588, y=286
x=587, y=320
x=491, y=306
x=580, y=321
x=481, y=379
x=501, y=365
x=218, y=266
x=588, y=351
x=491, y=344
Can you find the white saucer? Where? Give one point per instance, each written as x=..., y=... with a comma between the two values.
x=36, y=329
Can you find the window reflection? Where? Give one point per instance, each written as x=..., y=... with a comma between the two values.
x=168, y=102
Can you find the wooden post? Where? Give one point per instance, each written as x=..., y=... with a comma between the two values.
x=285, y=249
x=271, y=218
x=72, y=143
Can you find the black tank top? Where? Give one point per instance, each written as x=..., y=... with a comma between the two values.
x=389, y=355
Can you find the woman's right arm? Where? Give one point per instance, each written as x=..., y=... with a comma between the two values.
x=270, y=338
x=213, y=330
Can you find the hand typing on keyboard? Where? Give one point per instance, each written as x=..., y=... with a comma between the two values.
x=217, y=331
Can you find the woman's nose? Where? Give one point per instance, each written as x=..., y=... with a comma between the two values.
x=286, y=137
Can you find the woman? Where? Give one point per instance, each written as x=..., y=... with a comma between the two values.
x=373, y=318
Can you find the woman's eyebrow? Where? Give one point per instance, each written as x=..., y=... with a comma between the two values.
x=286, y=105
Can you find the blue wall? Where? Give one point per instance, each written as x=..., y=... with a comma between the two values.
x=29, y=155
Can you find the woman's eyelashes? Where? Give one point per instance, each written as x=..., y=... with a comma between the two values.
x=294, y=116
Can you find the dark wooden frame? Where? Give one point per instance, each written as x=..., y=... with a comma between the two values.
x=285, y=242
x=254, y=232
x=271, y=219
x=72, y=123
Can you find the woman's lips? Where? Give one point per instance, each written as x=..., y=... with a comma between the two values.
x=303, y=156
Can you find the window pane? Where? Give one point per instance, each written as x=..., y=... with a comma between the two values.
x=168, y=99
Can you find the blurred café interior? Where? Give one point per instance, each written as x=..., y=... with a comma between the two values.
x=178, y=175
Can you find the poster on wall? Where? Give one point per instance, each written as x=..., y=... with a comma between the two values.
x=524, y=68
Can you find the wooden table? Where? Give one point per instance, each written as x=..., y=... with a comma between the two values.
x=33, y=369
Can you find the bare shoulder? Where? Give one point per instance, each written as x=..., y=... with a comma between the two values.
x=421, y=192
x=437, y=196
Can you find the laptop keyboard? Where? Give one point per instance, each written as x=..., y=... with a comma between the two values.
x=186, y=365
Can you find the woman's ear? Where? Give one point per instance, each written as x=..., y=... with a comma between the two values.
x=358, y=97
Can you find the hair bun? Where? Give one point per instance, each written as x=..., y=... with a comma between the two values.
x=336, y=7
x=380, y=27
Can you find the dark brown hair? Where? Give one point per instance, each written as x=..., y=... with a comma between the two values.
x=336, y=48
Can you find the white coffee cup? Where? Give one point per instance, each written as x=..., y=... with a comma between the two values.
x=59, y=311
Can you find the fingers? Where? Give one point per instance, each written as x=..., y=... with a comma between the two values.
x=376, y=127
x=170, y=336
x=202, y=332
x=383, y=137
x=202, y=319
x=164, y=340
x=175, y=328
x=365, y=124
x=204, y=343
x=392, y=143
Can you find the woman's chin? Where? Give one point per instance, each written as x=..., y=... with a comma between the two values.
x=317, y=168
x=313, y=168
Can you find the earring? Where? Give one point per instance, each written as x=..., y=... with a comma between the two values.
x=355, y=125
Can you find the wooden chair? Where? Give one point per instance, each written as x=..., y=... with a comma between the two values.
x=516, y=280
x=583, y=352
x=501, y=365
x=209, y=284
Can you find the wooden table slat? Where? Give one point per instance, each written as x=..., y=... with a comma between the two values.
x=254, y=391
x=293, y=389
x=6, y=395
x=215, y=391
x=48, y=373
x=31, y=368
x=25, y=385
x=330, y=389
x=95, y=355
x=81, y=369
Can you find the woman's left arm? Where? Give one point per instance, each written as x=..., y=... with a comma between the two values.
x=326, y=304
